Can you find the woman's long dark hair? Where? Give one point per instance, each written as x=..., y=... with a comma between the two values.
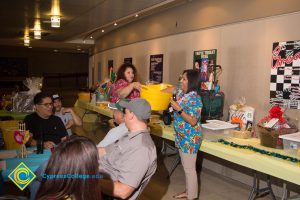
x=194, y=82
x=122, y=69
x=76, y=155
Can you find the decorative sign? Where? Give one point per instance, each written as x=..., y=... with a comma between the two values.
x=156, y=68
x=128, y=60
x=203, y=59
x=285, y=75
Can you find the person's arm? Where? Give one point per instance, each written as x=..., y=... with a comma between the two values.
x=76, y=119
x=116, y=189
x=192, y=120
x=169, y=89
x=124, y=92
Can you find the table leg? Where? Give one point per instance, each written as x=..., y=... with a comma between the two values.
x=256, y=191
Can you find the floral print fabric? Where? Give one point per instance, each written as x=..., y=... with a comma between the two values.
x=188, y=138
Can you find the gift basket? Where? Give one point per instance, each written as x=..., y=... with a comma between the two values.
x=23, y=101
x=272, y=126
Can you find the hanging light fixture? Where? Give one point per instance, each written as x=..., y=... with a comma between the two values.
x=55, y=14
x=37, y=29
x=26, y=37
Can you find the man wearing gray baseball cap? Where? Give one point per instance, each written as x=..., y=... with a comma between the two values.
x=129, y=163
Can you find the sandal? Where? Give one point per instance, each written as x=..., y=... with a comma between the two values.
x=181, y=195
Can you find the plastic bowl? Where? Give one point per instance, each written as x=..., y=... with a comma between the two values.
x=158, y=100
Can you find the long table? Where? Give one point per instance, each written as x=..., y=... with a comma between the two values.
x=15, y=115
x=87, y=106
x=276, y=167
x=32, y=161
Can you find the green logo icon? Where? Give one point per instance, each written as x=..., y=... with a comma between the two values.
x=22, y=176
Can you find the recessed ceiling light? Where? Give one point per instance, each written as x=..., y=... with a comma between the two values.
x=136, y=15
x=78, y=49
x=91, y=37
x=102, y=30
x=115, y=24
x=55, y=50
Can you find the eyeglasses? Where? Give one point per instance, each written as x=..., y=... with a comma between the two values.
x=46, y=104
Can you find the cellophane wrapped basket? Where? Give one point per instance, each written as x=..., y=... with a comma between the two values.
x=269, y=136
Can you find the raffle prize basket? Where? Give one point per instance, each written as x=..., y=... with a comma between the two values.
x=270, y=137
x=158, y=100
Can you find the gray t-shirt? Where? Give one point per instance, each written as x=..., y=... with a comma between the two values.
x=131, y=160
x=65, y=118
x=113, y=135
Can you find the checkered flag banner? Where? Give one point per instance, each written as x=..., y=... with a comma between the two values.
x=285, y=75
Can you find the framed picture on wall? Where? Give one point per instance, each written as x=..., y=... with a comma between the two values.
x=156, y=68
x=202, y=60
x=110, y=67
x=128, y=60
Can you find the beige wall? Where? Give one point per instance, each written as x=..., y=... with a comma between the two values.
x=194, y=15
x=244, y=52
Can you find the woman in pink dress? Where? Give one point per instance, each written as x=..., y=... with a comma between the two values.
x=126, y=85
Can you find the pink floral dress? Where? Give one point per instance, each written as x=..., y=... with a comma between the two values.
x=121, y=83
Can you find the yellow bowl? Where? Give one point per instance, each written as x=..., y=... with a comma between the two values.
x=157, y=99
x=85, y=96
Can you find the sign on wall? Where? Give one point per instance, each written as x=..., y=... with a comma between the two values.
x=285, y=74
x=156, y=68
x=203, y=59
x=128, y=60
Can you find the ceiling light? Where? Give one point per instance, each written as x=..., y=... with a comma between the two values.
x=37, y=29
x=115, y=24
x=30, y=47
x=102, y=31
x=55, y=21
x=91, y=37
x=136, y=15
x=55, y=50
x=78, y=49
x=26, y=41
x=55, y=14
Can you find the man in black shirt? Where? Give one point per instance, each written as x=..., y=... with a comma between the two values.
x=42, y=124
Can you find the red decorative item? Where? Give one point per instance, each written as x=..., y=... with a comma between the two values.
x=276, y=112
x=18, y=137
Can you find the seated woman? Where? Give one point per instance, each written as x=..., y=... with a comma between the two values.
x=126, y=85
x=75, y=156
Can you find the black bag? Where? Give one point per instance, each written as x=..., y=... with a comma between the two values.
x=212, y=105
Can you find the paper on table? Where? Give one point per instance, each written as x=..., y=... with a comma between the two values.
x=8, y=154
x=3, y=164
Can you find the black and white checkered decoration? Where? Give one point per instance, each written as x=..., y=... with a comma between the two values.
x=285, y=74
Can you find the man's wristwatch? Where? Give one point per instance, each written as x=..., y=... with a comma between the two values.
x=180, y=111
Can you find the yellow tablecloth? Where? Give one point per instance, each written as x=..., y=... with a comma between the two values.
x=92, y=107
x=276, y=167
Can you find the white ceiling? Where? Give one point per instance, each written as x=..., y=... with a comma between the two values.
x=80, y=19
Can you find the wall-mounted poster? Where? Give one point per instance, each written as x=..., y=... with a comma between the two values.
x=128, y=60
x=156, y=68
x=285, y=75
x=203, y=59
x=110, y=67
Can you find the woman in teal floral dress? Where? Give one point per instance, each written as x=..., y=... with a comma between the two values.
x=187, y=114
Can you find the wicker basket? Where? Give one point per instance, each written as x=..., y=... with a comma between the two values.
x=269, y=137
